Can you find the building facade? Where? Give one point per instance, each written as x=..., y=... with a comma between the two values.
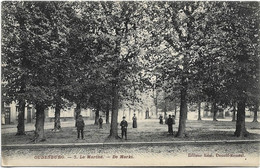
x=9, y=114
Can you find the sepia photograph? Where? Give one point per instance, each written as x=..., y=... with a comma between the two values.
x=130, y=83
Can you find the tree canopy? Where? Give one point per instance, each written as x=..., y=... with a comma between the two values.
x=103, y=54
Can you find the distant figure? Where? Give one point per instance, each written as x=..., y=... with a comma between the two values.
x=170, y=122
x=161, y=119
x=124, y=126
x=134, y=121
x=147, y=113
x=100, y=122
x=80, y=126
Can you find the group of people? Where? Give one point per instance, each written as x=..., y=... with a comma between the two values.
x=169, y=121
x=80, y=124
x=124, y=126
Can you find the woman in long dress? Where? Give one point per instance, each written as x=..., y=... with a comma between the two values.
x=134, y=121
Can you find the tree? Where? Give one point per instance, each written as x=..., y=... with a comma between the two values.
x=119, y=28
x=178, y=23
x=30, y=51
x=107, y=113
x=242, y=27
x=61, y=63
x=234, y=113
x=83, y=50
x=256, y=107
x=199, y=112
x=14, y=65
x=238, y=55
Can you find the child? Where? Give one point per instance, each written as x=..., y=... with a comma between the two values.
x=124, y=125
x=100, y=121
x=80, y=126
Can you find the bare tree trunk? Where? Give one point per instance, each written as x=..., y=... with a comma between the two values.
x=165, y=113
x=183, y=111
x=175, y=108
x=155, y=97
x=97, y=115
x=107, y=114
x=256, y=107
x=114, y=122
x=77, y=112
x=165, y=104
x=39, y=125
x=20, y=126
x=21, y=110
x=156, y=110
x=234, y=113
x=57, y=124
x=214, y=110
x=29, y=114
x=206, y=109
x=199, y=111
x=240, y=123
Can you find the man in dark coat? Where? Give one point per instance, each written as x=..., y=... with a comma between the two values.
x=124, y=126
x=134, y=121
x=80, y=126
x=100, y=121
x=170, y=122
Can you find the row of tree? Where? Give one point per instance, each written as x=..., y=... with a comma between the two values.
x=215, y=56
x=101, y=54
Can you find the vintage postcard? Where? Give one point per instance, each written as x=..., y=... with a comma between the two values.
x=136, y=83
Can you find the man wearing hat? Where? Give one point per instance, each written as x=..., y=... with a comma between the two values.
x=124, y=125
x=80, y=126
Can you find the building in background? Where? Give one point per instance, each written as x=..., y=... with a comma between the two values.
x=9, y=114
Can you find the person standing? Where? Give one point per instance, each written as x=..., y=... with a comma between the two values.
x=80, y=126
x=100, y=121
x=147, y=113
x=134, y=121
x=124, y=126
x=170, y=122
x=161, y=119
